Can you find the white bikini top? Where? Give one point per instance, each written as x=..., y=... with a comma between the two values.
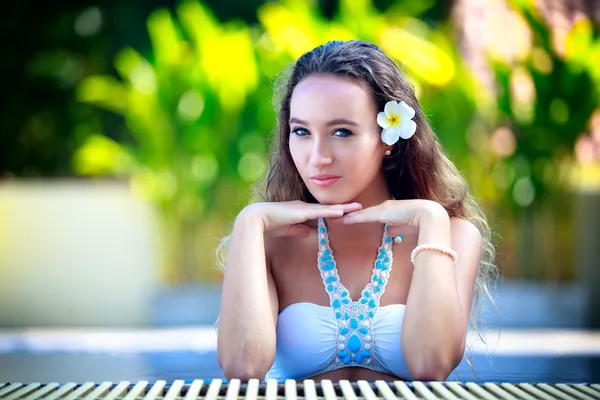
x=313, y=339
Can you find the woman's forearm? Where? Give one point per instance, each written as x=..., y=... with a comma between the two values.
x=246, y=336
x=432, y=331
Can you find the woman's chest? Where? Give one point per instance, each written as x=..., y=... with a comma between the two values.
x=299, y=276
x=310, y=340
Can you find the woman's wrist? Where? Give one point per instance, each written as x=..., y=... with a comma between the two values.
x=250, y=216
x=434, y=226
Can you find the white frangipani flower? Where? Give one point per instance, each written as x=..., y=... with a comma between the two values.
x=396, y=121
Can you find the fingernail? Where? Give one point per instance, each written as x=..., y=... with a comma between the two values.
x=357, y=204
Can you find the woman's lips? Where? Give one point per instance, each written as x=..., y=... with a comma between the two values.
x=325, y=181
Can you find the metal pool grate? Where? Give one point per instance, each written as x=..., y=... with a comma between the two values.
x=292, y=390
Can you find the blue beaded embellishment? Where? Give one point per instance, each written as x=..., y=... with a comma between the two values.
x=355, y=342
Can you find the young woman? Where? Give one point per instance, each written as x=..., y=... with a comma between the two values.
x=363, y=258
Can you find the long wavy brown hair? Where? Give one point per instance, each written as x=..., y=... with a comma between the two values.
x=417, y=168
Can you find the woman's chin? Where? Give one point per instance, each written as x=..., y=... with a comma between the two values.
x=331, y=197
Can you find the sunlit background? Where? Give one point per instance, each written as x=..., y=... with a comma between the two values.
x=131, y=133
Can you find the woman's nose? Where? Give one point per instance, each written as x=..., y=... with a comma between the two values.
x=320, y=154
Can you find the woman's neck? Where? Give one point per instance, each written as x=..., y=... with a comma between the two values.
x=375, y=194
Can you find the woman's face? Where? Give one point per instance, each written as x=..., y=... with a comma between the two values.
x=335, y=141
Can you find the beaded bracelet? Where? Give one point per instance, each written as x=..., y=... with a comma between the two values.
x=422, y=247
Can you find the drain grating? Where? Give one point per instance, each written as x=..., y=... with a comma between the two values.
x=296, y=390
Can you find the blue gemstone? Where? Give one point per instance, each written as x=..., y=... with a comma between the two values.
x=330, y=288
x=322, y=259
x=344, y=331
x=338, y=315
x=386, y=260
x=365, y=354
x=361, y=316
x=345, y=301
x=354, y=344
x=372, y=303
x=363, y=301
x=378, y=289
x=327, y=252
x=347, y=360
x=364, y=331
x=366, y=293
x=330, y=265
x=336, y=304
x=374, y=278
x=331, y=279
x=343, y=354
x=322, y=230
x=380, y=256
x=346, y=316
x=354, y=323
x=359, y=358
x=371, y=314
x=388, y=239
x=378, y=264
x=385, y=267
x=344, y=294
x=382, y=251
x=322, y=241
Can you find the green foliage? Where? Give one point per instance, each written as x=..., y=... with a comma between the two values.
x=547, y=100
x=199, y=108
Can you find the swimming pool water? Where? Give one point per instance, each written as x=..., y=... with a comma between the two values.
x=81, y=367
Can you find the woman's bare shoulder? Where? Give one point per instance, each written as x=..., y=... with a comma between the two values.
x=283, y=246
x=275, y=247
x=271, y=245
x=464, y=225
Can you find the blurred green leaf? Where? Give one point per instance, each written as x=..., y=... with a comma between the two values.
x=198, y=107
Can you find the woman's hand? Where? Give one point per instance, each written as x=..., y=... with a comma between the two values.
x=287, y=218
x=399, y=214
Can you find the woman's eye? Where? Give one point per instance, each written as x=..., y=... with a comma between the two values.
x=342, y=132
x=300, y=132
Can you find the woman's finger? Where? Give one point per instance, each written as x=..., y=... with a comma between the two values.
x=325, y=213
x=350, y=207
x=371, y=214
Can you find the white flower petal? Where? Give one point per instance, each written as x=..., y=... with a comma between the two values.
x=383, y=120
x=406, y=111
x=407, y=129
x=390, y=136
x=391, y=108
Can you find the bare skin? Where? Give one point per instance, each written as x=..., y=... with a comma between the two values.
x=272, y=260
x=296, y=275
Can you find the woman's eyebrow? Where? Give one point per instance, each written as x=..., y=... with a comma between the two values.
x=337, y=121
x=297, y=121
x=341, y=121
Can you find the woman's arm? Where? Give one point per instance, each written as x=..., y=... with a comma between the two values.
x=438, y=304
x=439, y=299
x=249, y=305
